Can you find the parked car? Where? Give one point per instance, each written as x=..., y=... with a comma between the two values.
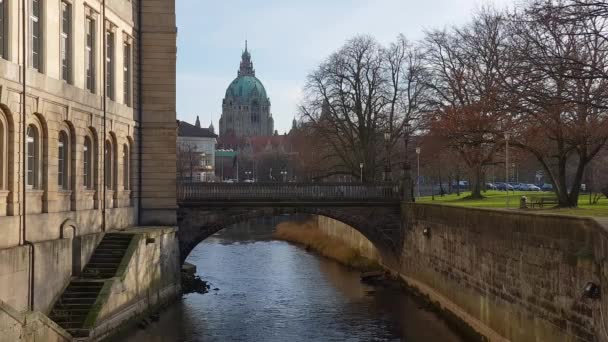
x=490, y=186
x=532, y=187
x=504, y=187
x=547, y=187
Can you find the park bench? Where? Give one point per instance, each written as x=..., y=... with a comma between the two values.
x=542, y=200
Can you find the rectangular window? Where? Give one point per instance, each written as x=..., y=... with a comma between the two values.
x=66, y=42
x=110, y=64
x=127, y=73
x=31, y=162
x=61, y=168
x=90, y=54
x=3, y=30
x=87, y=162
x=36, y=34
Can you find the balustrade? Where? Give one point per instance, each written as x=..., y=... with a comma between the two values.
x=288, y=192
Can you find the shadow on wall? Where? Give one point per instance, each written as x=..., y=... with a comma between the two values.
x=309, y=235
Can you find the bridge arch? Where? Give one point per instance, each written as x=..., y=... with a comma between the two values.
x=380, y=225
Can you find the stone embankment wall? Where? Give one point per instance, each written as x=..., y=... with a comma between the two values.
x=148, y=277
x=509, y=275
x=54, y=262
x=28, y=327
x=349, y=236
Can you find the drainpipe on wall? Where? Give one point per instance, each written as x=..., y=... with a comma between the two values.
x=23, y=237
x=104, y=107
x=140, y=111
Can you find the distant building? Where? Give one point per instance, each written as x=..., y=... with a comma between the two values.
x=227, y=164
x=196, y=151
x=246, y=107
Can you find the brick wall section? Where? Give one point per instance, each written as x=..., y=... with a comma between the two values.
x=521, y=275
x=159, y=128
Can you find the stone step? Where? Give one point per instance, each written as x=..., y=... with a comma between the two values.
x=83, y=295
x=110, y=252
x=72, y=325
x=70, y=301
x=90, y=289
x=100, y=275
x=70, y=318
x=86, y=283
x=72, y=308
x=114, y=244
x=102, y=260
x=78, y=332
x=121, y=237
x=100, y=266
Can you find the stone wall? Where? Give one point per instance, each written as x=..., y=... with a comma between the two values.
x=149, y=278
x=349, y=236
x=509, y=275
x=28, y=327
x=520, y=275
x=53, y=265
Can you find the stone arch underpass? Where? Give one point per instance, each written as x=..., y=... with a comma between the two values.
x=382, y=225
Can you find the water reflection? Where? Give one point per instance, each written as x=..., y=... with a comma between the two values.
x=275, y=291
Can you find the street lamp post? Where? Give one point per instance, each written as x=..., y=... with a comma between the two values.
x=418, y=150
x=361, y=171
x=387, y=168
x=507, y=166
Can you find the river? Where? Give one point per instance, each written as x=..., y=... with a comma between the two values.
x=274, y=291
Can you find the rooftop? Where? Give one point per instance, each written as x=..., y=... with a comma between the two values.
x=187, y=130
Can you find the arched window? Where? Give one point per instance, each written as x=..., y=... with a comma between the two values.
x=126, y=167
x=3, y=153
x=88, y=163
x=108, y=162
x=63, y=161
x=33, y=157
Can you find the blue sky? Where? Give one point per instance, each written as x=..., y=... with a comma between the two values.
x=287, y=39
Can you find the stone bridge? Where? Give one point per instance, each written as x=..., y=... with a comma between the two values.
x=372, y=209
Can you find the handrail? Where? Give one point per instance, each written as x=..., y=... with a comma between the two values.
x=287, y=192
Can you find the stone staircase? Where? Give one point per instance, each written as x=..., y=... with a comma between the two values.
x=72, y=308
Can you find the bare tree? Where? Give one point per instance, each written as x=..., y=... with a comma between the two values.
x=561, y=93
x=359, y=94
x=188, y=160
x=465, y=65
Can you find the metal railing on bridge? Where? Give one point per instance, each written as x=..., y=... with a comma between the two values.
x=291, y=192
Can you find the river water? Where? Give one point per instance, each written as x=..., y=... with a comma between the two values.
x=275, y=291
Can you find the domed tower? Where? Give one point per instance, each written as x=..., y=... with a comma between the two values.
x=246, y=107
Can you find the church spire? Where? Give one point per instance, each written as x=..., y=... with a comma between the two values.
x=197, y=123
x=246, y=68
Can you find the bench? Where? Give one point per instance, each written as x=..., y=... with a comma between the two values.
x=541, y=201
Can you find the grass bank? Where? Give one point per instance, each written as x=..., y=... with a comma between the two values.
x=498, y=200
x=308, y=235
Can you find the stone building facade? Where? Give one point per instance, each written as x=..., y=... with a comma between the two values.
x=195, y=152
x=87, y=134
x=246, y=107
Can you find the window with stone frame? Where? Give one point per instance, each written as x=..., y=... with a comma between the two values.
x=36, y=34
x=65, y=48
x=110, y=72
x=87, y=151
x=126, y=167
x=127, y=74
x=108, y=165
x=4, y=29
x=33, y=157
x=63, y=161
x=3, y=151
x=89, y=53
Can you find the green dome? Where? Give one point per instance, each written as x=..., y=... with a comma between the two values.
x=246, y=88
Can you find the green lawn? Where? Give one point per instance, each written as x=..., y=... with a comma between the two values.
x=498, y=199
